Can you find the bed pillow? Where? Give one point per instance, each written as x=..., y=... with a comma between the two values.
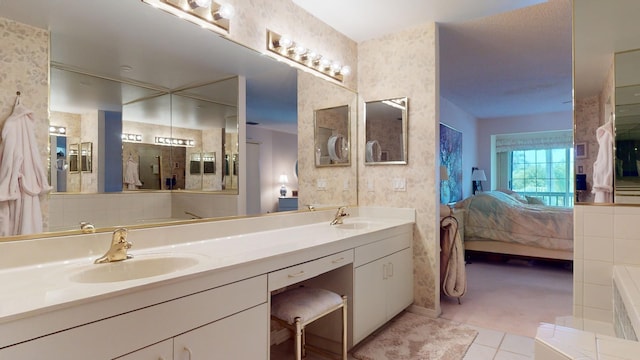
x=514, y=195
x=534, y=200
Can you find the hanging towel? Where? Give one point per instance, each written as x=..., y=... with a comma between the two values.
x=453, y=277
x=131, y=177
x=22, y=176
x=603, y=166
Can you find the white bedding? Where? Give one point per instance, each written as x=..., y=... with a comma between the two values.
x=495, y=215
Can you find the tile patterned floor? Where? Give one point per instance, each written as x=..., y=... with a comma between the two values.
x=496, y=345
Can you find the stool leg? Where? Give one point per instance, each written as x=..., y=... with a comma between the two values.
x=298, y=339
x=344, y=328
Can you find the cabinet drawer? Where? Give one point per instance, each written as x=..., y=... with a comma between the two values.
x=294, y=274
x=370, y=252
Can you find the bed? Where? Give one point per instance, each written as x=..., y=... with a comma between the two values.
x=504, y=222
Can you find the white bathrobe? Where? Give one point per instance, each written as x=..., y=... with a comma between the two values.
x=22, y=177
x=131, y=177
x=603, y=166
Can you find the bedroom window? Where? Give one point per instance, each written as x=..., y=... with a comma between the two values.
x=543, y=173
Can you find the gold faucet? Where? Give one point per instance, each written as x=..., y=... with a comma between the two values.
x=87, y=227
x=340, y=214
x=118, y=249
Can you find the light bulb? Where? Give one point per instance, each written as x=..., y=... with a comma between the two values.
x=285, y=42
x=226, y=11
x=199, y=3
x=300, y=50
x=346, y=70
x=336, y=66
x=325, y=63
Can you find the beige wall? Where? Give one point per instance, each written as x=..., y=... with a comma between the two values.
x=405, y=64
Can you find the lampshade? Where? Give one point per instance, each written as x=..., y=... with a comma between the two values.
x=444, y=174
x=478, y=175
x=284, y=179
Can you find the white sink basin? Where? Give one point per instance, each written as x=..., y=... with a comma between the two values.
x=358, y=225
x=137, y=268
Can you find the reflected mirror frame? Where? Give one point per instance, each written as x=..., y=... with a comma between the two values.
x=405, y=128
x=347, y=162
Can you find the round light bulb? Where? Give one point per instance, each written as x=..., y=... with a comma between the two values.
x=285, y=41
x=226, y=11
x=325, y=63
x=346, y=70
x=62, y=130
x=52, y=129
x=300, y=50
x=336, y=66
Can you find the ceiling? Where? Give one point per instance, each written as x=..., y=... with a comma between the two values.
x=497, y=58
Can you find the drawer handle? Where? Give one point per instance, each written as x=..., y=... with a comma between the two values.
x=338, y=260
x=298, y=274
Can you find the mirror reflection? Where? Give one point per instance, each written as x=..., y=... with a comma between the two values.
x=332, y=136
x=627, y=124
x=386, y=131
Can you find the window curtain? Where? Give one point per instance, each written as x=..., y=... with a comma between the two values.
x=534, y=141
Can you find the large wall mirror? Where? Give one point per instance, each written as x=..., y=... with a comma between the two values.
x=126, y=100
x=332, y=134
x=386, y=131
x=627, y=126
x=606, y=84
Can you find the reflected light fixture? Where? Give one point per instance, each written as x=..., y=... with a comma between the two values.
x=131, y=137
x=283, y=189
x=206, y=13
x=57, y=130
x=169, y=141
x=284, y=46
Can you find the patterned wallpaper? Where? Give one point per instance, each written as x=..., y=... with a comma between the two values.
x=24, y=67
x=315, y=93
x=404, y=64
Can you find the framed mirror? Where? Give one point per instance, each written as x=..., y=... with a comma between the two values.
x=86, y=155
x=73, y=158
x=331, y=136
x=386, y=131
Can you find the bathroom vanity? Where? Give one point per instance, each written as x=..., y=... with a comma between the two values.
x=205, y=294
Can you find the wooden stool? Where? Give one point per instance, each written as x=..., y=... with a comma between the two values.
x=298, y=307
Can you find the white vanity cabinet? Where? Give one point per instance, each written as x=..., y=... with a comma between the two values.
x=383, y=283
x=201, y=321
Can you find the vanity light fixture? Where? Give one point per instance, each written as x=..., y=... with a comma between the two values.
x=161, y=140
x=57, y=130
x=206, y=13
x=284, y=46
x=131, y=137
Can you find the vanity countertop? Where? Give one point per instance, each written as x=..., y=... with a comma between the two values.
x=40, y=289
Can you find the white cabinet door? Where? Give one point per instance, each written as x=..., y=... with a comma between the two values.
x=399, y=282
x=369, y=299
x=240, y=336
x=159, y=351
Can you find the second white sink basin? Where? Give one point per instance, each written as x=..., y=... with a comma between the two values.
x=137, y=268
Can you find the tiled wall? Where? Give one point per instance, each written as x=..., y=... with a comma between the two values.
x=604, y=236
x=404, y=64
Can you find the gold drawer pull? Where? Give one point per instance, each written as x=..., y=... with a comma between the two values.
x=341, y=259
x=297, y=274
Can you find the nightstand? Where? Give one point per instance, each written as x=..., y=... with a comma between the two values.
x=287, y=203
